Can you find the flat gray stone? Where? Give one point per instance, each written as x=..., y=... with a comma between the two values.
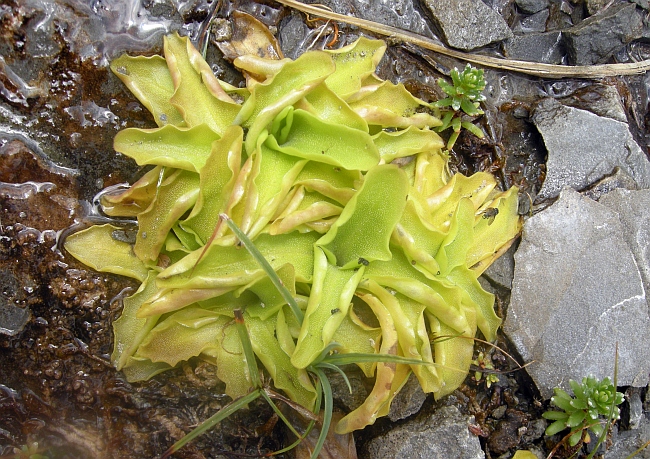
x=584, y=147
x=502, y=270
x=12, y=318
x=576, y=293
x=468, y=24
x=442, y=434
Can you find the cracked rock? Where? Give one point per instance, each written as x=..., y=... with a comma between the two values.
x=577, y=292
x=584, y=147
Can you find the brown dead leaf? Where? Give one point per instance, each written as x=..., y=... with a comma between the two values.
x=335, y=447
x=249, y=36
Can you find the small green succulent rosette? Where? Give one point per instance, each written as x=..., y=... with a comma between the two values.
x=382, y=256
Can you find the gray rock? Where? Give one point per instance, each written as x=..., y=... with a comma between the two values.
x=576, y=293
x=600, y=99
x=627, y=442
x=635, y=412
x=633, y=209
x=396, y=13
x=468, y=24
x=594, y=6
x=645, y=4
x=502, y=270
x=531, y=6
x=292, y=34
x=533, y=23
x=351, y=400
x=12, y=318
x=618, y=179
x=583, y=147
x=535, y=47
x=596, y=38
x=408, y=400
x=443, y=434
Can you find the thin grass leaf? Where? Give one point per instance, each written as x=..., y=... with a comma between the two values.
x=327, y=414
x=326, y=352
x=644, y=446
x=206, y=425
x=337, y=369
x=281, y=415
x=350, y=358
x=291, y=301
x=253, y=371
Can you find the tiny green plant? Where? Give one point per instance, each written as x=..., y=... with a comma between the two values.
x=483, y=363
x=464, y=96
x=589, y=409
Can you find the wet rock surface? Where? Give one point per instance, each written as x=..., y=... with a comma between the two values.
x=60, y=108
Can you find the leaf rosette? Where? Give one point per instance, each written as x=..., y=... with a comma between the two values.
x=381, y=256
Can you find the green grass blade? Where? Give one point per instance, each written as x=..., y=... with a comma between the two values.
x=337, y=369
x=325, y=353
x=206, y=425
x=327, y=414
x=644, y=446
x=291, y=301
x=281, y=415
x=347, y=359
x=253, y=371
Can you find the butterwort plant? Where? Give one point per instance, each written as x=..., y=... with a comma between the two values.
x=299, y=167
